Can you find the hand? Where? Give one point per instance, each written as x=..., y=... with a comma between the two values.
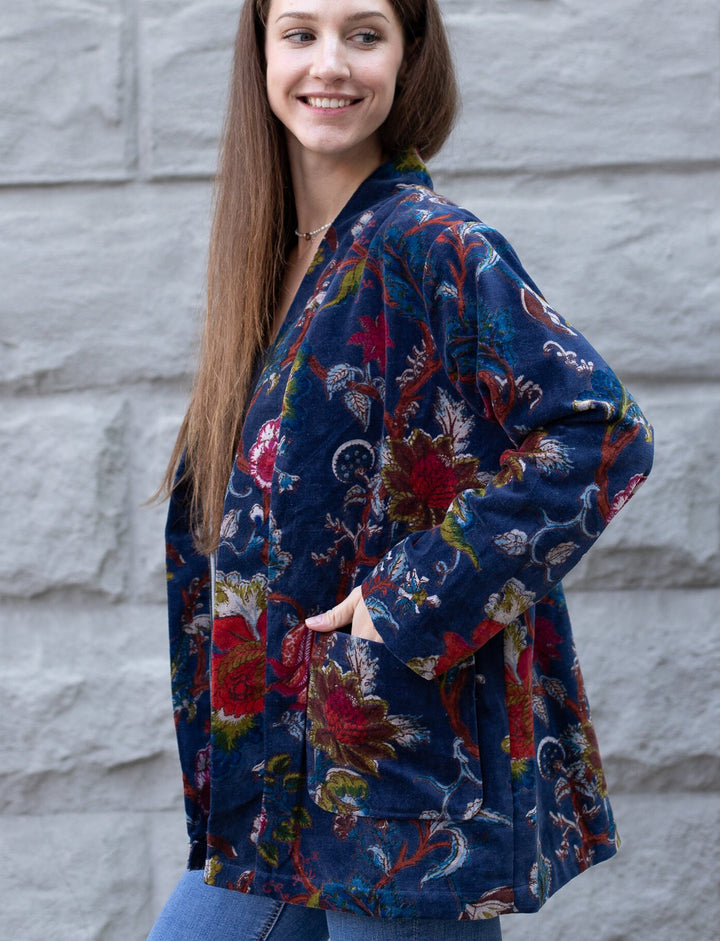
x=352, y=610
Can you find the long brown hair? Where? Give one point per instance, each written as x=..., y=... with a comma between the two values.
x=252, y=233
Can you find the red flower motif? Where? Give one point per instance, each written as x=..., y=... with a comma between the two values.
x=621, y=498
x=374, y=340
x=424, y=476
x=264, y=452
x=455, y=649
x=238, y=671
x=202, y=779
x=547, y=644
x=292, y=670
x=353, y=729
x=485, y=630
x=520, y=720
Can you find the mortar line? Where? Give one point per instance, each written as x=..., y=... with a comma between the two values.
x=143, y=177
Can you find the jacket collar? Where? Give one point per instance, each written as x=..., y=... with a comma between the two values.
x=400, y=171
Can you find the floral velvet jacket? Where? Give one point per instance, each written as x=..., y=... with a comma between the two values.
x=427, y=427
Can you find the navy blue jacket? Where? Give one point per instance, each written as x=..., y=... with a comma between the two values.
x=428, y=427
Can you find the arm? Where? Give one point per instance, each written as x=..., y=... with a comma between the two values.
x=189, y=622
x=577, y=447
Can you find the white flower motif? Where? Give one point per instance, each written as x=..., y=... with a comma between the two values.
x=229, y=525
x=513, y=542
x=237, y=597
x=508, y=604
x=560, y=553
x=362, y=222
x=199, y=626
x=424, y=666
x=552, y=457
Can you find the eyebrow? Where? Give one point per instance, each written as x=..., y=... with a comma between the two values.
x=367, y=14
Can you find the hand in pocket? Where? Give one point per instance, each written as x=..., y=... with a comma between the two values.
x=352, y=610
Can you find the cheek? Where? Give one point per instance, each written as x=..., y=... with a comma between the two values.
x=274, y=86
x=395, y=71
x=383, y=82
x=389, y=89
x=280, y=70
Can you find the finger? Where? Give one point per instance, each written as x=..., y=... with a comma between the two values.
x=362, y=625
x=338, y=616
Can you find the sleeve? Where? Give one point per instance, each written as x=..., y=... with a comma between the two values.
x=188, y=586
x=577, y=446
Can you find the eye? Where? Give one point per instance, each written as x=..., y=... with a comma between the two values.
x=367, y=37
x=299, y=36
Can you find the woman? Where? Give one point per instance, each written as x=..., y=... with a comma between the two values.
x=387, y=736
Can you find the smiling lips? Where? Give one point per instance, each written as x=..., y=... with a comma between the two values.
x=331, y=103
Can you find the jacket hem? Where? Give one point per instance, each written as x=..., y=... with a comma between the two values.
x=509, y=900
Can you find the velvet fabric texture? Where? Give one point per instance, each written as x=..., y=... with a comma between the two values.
x=428, y=427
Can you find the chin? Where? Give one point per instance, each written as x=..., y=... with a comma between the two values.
x=337, y=150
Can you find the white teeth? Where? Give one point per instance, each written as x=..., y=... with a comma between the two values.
x=329, y=102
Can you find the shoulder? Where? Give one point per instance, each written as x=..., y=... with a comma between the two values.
x=427, y=231
x=418, y=213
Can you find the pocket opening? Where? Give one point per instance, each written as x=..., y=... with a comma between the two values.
x=384, y=742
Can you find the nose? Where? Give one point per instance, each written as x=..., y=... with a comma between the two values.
x=330, y=62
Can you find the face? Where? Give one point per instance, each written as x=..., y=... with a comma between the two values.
x=332, y=68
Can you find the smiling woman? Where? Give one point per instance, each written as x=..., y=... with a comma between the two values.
x=389, y=461
x=331, y=77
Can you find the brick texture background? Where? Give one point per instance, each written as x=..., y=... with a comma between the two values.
x=591, y=137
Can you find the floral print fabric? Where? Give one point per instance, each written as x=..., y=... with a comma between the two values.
x=428, y=427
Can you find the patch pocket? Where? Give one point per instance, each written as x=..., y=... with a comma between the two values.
x=384, y=742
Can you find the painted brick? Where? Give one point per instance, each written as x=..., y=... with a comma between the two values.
x=669, y=534
x=155, y=422
x=100, y=288
x=559, y=85
x=657, y=715
x=168, y=854
x=63, y=506
x=187, y=52
x=66, y=91
x=88, y=722
x=661, y=887
x=79, y=761
x=75, y=876
x=544, y=84
x=104, y=637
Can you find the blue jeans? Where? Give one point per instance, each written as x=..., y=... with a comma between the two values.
x=199, y=912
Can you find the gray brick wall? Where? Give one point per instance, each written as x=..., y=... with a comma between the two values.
x=591, y=137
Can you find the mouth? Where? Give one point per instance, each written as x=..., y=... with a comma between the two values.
x=332, y=104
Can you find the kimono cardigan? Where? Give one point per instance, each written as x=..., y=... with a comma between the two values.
x=425, y=426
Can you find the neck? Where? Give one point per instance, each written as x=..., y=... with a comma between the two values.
x=322, y=185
